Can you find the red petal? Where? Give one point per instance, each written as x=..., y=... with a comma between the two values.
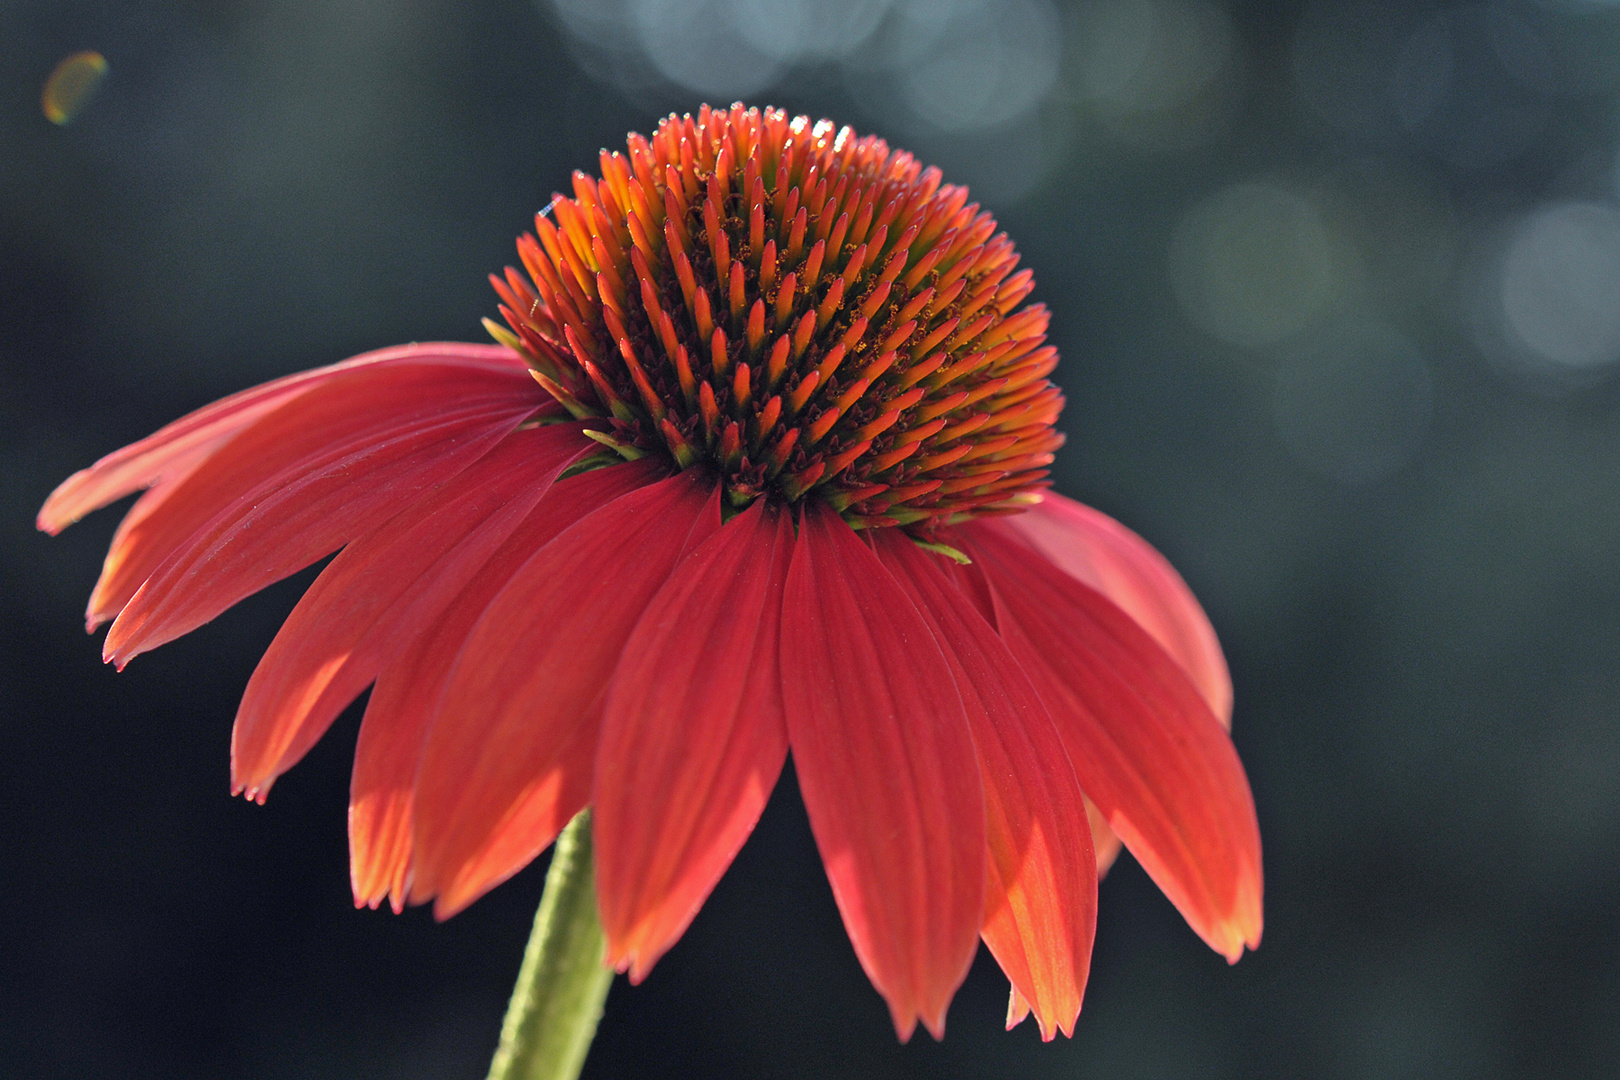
x=304, y=480
x=887, y=769
x=380, y=593
x=1017, y=1009
x=1103, y=839
x=530, y=682
x=1099, y=551
x=411, y=683
x=693, y=736
x=175, y=450
x=134, y=524
x=1143, y=741
x=1040, y=897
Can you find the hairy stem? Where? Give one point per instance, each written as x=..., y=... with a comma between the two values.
x=560, y=989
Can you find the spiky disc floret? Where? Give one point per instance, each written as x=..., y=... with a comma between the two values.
x=805, y=311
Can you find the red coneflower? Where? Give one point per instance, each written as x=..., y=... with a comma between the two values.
x=758, y=466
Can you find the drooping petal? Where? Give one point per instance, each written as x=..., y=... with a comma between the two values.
x=693, y=736
x=1041, y=879
x=887, y=769
x=314, y=474
x=1143, y=741
x=410, y=684
x=1104, y=840
x=530, y=683
x=177, y=448
x=1100, y=552
x=1091, y=546
x=380, y=593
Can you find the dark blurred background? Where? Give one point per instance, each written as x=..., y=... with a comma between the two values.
x=1337, y=289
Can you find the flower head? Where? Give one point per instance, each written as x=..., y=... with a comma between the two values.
x=614, y=561
x=798, y=309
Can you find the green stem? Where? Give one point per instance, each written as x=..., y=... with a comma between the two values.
x=560, y=989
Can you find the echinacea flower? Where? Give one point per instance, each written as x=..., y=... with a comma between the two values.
x=757, y=466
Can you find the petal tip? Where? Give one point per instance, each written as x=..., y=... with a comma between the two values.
x=1017, y=1008
x=1244, y=926
x=633, y=968
x=453, y=897
x=254, y=787
x=630, y=955
x=55, y=515
x=1236, y=935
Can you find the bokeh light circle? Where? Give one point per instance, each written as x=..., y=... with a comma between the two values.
x=990, y=63
x=1560, y=284
x=1253, y=264
x=699, y=45
x=1151, y=70
x=789, y=30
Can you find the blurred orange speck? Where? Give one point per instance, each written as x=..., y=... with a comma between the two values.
x=71, y=86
